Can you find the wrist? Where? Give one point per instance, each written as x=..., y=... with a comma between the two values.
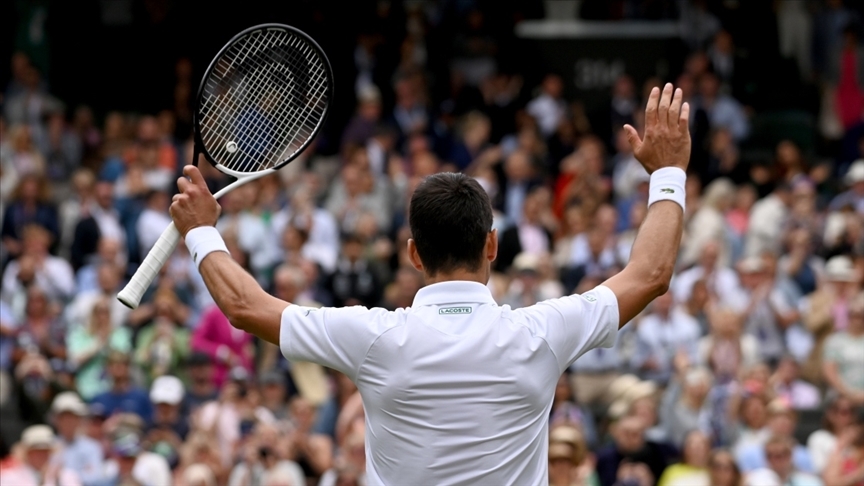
x=667, y=184
x=203, y=240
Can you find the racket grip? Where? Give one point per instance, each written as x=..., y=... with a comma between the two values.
x=131, y=294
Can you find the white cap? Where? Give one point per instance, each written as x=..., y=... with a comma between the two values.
x=855, y=172
x=38, y=437
x=839, y=268
x=167, y=389
x=69, y=402
x=526, y=262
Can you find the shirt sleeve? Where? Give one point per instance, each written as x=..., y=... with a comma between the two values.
x=338, y=338
x=575, y=324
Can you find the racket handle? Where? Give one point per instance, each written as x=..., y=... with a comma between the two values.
x=131, y=294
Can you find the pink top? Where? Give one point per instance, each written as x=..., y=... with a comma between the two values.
x=219, y=339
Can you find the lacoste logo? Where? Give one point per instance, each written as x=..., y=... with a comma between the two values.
x=590, y=298
x=666, y=190
x=446, y=311
x=195, y=257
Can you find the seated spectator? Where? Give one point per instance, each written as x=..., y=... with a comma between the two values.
x=356, y=281
x=261, y=461
x=29, y=205
x=169, y=426
x=123, y=395
x=274, y=394
x=153, y=220
x=226, y=345
x=629, y=446
x=854, y=196
x=726, y=351
x=839, y=416
x=752, y=417
x=721, y=282
x=131, y=464
x=201, y=386
x=357, y=192
x=77, y=452
x=36, y=266
x=781, y=468
x=844, y=355
x=79, y=310
x=109, y=251
x=89, y=346
x=723, y=111
x=693, y=468
x=41, y=330
x=708, y=224
x=527, y=286
x=580, y=464
x=37, y=466
x=201, y=449
x=322, y=246
x=780, y=424
x=565, y=410
x=799, y=394
x=312, y=452
x=35, y=388
x=530, y=235
x=660, y=336
x=846, y=465
x=100, y=219
x=767, y=313
x=684, y=406
x=722, y=469
x=163, y=343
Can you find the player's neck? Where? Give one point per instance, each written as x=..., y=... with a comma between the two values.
x=480, y=276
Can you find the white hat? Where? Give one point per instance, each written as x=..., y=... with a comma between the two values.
x=38, y=437
x=69, y=402
x=839, y=268
x=751, y=264
x=619, y=386
x=855, y=172
x=526, y=262
x=167, y=389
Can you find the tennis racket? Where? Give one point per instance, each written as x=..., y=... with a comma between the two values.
x=261, y=101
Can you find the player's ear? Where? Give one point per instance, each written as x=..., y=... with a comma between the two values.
x=492, y=245
x=414, y=256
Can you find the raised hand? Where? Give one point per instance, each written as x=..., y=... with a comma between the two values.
x=667, y=132
x=194, y=206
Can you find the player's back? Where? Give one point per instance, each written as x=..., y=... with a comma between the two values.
x=458, y=394
x=456, y=389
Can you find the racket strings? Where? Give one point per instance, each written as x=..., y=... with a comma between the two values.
x=263, y=100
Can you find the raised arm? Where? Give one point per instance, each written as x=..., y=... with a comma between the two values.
x=237, y=294
x=666, y=146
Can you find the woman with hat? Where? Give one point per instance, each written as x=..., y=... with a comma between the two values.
x=843, y=364
x=569, y=461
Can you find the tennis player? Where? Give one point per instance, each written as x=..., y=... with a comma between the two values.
x=456, y=389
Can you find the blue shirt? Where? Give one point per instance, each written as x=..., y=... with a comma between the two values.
x=84, y=456
x=752, y=457
x=134, y=401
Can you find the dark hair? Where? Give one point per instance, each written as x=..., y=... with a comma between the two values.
x=450, y=216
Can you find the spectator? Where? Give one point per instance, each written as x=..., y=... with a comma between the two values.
x=77, y=452
x=98, y=220
x=61, y=147
x=768, y=313
x=780, y=425
x=565, y=410
x=163, y=344
x=153, y=220
x=721, y=282
x=108, y=282
x=24, y=156
x=723, y=470
x=350, y=465
x=29, y=205
x=693, y=468
x=799, y=394
x=846, y=466
x=201, y=387
x=708, y=224
x=131, y=464
x=124, y=395
x=36, y=388
x=41, y=331
x=169, y=426
x=530, y=235
x=684, y=407
x=629, y=445
x=725, y=350
x=227, y=346
x=37, y=468
x=356, y=281
x=548, y=108
x=723, y=111
x=661, y=335
x=844, y=355
x=767, y=219
x=837, y=420
x=780, y=469
x=854, y=196
x=89, y=346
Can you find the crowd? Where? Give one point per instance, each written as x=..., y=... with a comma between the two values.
x=749, y=371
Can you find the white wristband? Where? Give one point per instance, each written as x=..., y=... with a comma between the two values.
x=202, y=241
x=667, y=184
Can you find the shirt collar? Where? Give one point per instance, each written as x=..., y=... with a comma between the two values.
x=453, y=292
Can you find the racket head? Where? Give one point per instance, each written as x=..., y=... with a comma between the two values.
x=262, y=100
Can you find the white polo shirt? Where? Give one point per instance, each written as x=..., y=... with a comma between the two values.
x=457, y=390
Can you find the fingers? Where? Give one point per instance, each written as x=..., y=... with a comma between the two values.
x=675, y=107
x=684, y=118
x=195, y=176
x=651, y=108
x=633, y=138
x=663, y=108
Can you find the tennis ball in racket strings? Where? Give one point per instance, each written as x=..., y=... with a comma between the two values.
x=231, y=147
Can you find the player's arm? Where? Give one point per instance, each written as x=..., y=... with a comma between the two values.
x=237, y=294
x=652, y=260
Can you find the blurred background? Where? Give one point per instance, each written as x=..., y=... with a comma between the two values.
x=749, y=371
